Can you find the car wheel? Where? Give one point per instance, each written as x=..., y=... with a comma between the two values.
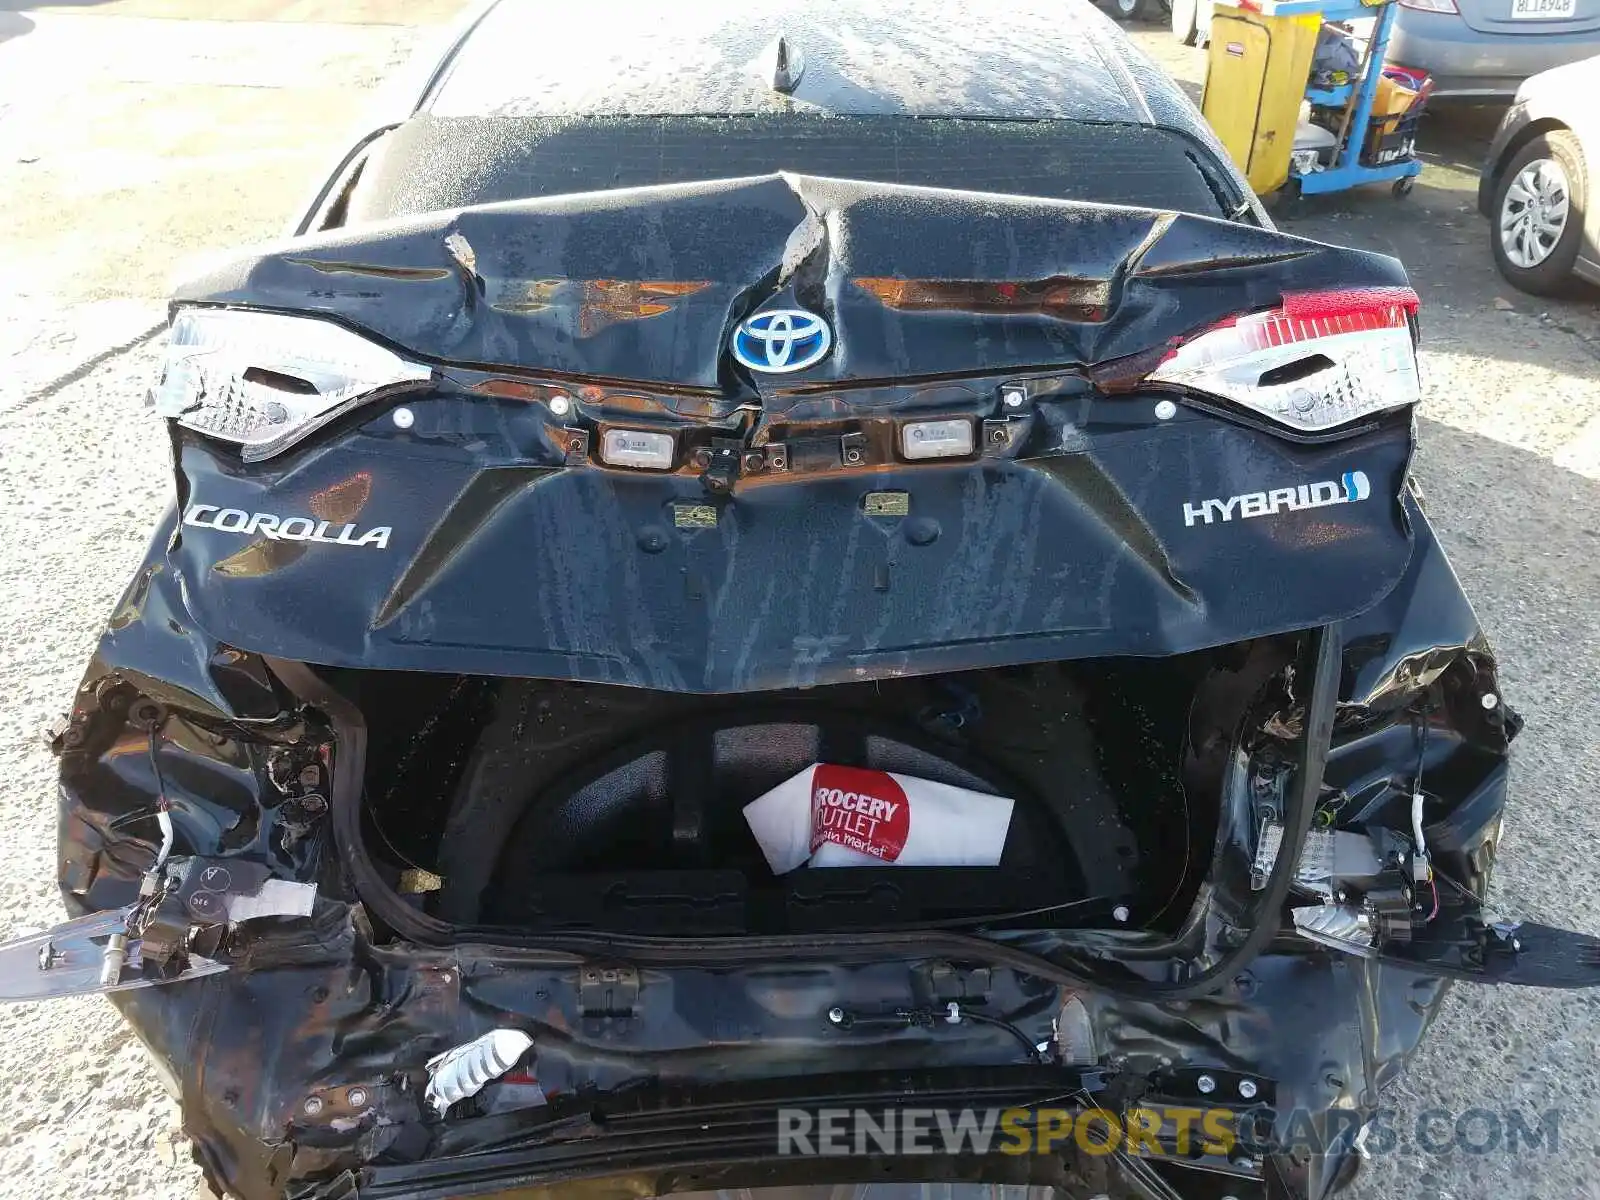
x=1135, y=10
x=1186, y=21
x=1538, y=213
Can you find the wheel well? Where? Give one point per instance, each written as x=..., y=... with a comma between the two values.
x=1524, y=135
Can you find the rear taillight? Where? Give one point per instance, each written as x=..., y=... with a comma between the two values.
x=266, y=380
x=1317, y=361
x=1432, y=6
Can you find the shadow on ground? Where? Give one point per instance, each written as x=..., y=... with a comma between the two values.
x=13, y=24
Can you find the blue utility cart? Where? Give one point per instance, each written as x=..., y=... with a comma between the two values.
x=1262, y=69
x=1351, y=166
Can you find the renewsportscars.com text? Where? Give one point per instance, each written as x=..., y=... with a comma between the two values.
x=1157, y=1130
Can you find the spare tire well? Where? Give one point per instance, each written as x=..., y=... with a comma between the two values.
x=550, y=806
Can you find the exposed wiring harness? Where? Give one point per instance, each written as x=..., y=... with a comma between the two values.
x=957, y=1014
x=163, y=809
x=1299, y=811
x=1417, y=800
x=953, y=1013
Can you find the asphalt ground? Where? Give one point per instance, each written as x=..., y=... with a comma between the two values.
x=138, y=134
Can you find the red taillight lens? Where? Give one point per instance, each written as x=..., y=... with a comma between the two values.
x=1318, y=360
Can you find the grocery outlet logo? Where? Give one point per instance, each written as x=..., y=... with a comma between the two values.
x=1351, y=487
x=1159, y=1131
x=861, y=810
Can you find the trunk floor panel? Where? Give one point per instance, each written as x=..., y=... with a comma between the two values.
x=584, y=806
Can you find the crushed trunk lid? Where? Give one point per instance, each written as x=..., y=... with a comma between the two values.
x=646, y=284
x=486, y=538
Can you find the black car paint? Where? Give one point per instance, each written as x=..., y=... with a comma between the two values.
x=917, y=58
x=1041, y=61
x=1072, y=535
x=331, y=1012
x=1111, y=281
x=331, y=1007
x=248, y=760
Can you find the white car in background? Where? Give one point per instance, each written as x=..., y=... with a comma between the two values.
x=1539, y=180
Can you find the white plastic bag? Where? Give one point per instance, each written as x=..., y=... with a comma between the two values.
x=837, y=816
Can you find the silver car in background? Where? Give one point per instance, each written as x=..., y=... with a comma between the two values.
x=1539, y=179
x=1485, y=48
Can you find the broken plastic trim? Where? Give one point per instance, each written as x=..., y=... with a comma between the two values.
x=72, y=958
x=350, y=751
x=264, y=381
x=465, y=1070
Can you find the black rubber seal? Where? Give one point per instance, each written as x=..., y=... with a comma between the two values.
x=666, y=952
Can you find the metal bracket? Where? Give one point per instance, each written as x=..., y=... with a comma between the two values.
x=720, y=465
x=947, y=983
x=853, y=449
x=610, y=991
x=576, y=445
x=93, y=953
x=997, y=436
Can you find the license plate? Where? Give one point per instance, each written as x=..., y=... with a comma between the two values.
x=1543, y=10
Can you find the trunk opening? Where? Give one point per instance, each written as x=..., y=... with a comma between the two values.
x=554, y=806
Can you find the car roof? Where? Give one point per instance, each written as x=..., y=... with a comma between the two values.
x=994, y=59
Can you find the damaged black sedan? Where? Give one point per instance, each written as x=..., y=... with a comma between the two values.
x=752, y=590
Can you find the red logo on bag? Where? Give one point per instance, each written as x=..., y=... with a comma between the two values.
x=864, y=811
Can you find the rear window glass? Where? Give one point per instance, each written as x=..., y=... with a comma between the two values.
x=433, y=163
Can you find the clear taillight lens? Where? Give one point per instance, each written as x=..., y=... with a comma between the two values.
x=265, y=380
x=1319, y=360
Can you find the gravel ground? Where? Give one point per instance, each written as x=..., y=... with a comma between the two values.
x=127, y=143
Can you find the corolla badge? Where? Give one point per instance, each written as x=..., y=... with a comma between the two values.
x=780, y=340
x=281, y=529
